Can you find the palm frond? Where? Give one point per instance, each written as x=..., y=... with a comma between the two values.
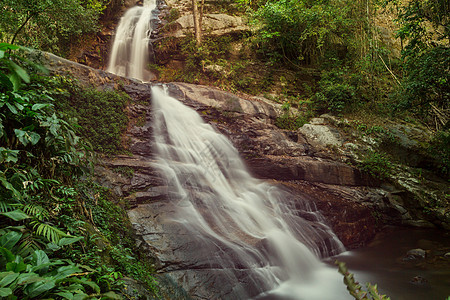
x=36, y=211
x=48, y=231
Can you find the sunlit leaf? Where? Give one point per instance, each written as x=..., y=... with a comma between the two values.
x=7, y=277
x=5, y=292
x=40, y=287
x=10, y=239
x=39, y=106
x=11, y=107
x=20, y=71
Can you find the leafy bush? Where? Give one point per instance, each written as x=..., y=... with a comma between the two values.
x=427, y=82
x=100, y=114
x=440, y=149
x=335, y=94
x=376, y=164
x=301, y=31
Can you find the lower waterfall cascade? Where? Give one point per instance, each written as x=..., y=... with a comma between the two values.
x=246, y=223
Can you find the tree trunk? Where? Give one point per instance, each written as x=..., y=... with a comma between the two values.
x=197, y=24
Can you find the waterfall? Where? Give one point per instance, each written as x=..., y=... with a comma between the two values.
x=129, y=54
x=245, y=223
x=257, y=238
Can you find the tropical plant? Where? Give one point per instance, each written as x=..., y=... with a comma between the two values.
x=425, y=29
x=355, y=289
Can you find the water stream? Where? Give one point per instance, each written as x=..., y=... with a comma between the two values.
x=130, y=50
x=251, y=225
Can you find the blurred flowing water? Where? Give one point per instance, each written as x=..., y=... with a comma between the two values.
x=130, y=51
x=256, y=226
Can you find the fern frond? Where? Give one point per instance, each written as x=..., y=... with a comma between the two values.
x=5, y=206
x=48, y=231
x=36, y=211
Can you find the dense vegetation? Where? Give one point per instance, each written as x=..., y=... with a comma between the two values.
x=50, y=25
x=329, y=56
x=62, y=235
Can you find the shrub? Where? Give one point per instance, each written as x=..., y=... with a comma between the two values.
x=376, y=164
x=335, y=94
x=100, y=115
x=440, y=149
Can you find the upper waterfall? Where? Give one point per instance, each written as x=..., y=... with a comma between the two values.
x=129, y=54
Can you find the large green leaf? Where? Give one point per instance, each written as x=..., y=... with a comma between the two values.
x=40, y=287
x=39, y=106
x=12, y=108
x=10, y=239
x=28, y=278
x=65, y=271
x=84, y=281
x=39, y=258
x=5, y=292
x=19, y=71
x=8, y=46
x=6, y=83
x=80, y=296
x=7, y=277
x=7, y=254
x=65, y=295
x=16, y=266
x=26, y=137
x=16, y=215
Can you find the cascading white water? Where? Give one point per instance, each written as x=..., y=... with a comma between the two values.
x=265, y=240
x=248, y=224
x=129, y=54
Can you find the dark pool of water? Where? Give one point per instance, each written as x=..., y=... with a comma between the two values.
x=383, y=262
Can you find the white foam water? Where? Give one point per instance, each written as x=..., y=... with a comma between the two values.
x=251, y=224
x=129, y=54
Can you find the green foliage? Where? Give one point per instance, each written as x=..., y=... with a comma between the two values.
x=46, y=203
x=49, y=25
x=290, y=122
x=355, y=289
x=439, y=148
x=425, y=27
x=197, y=57
x=301, y=31
x=376, y=164
x=427, y=82
x=39, y=276
x=173, y=15
x=100, y=115
x=335, y=94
